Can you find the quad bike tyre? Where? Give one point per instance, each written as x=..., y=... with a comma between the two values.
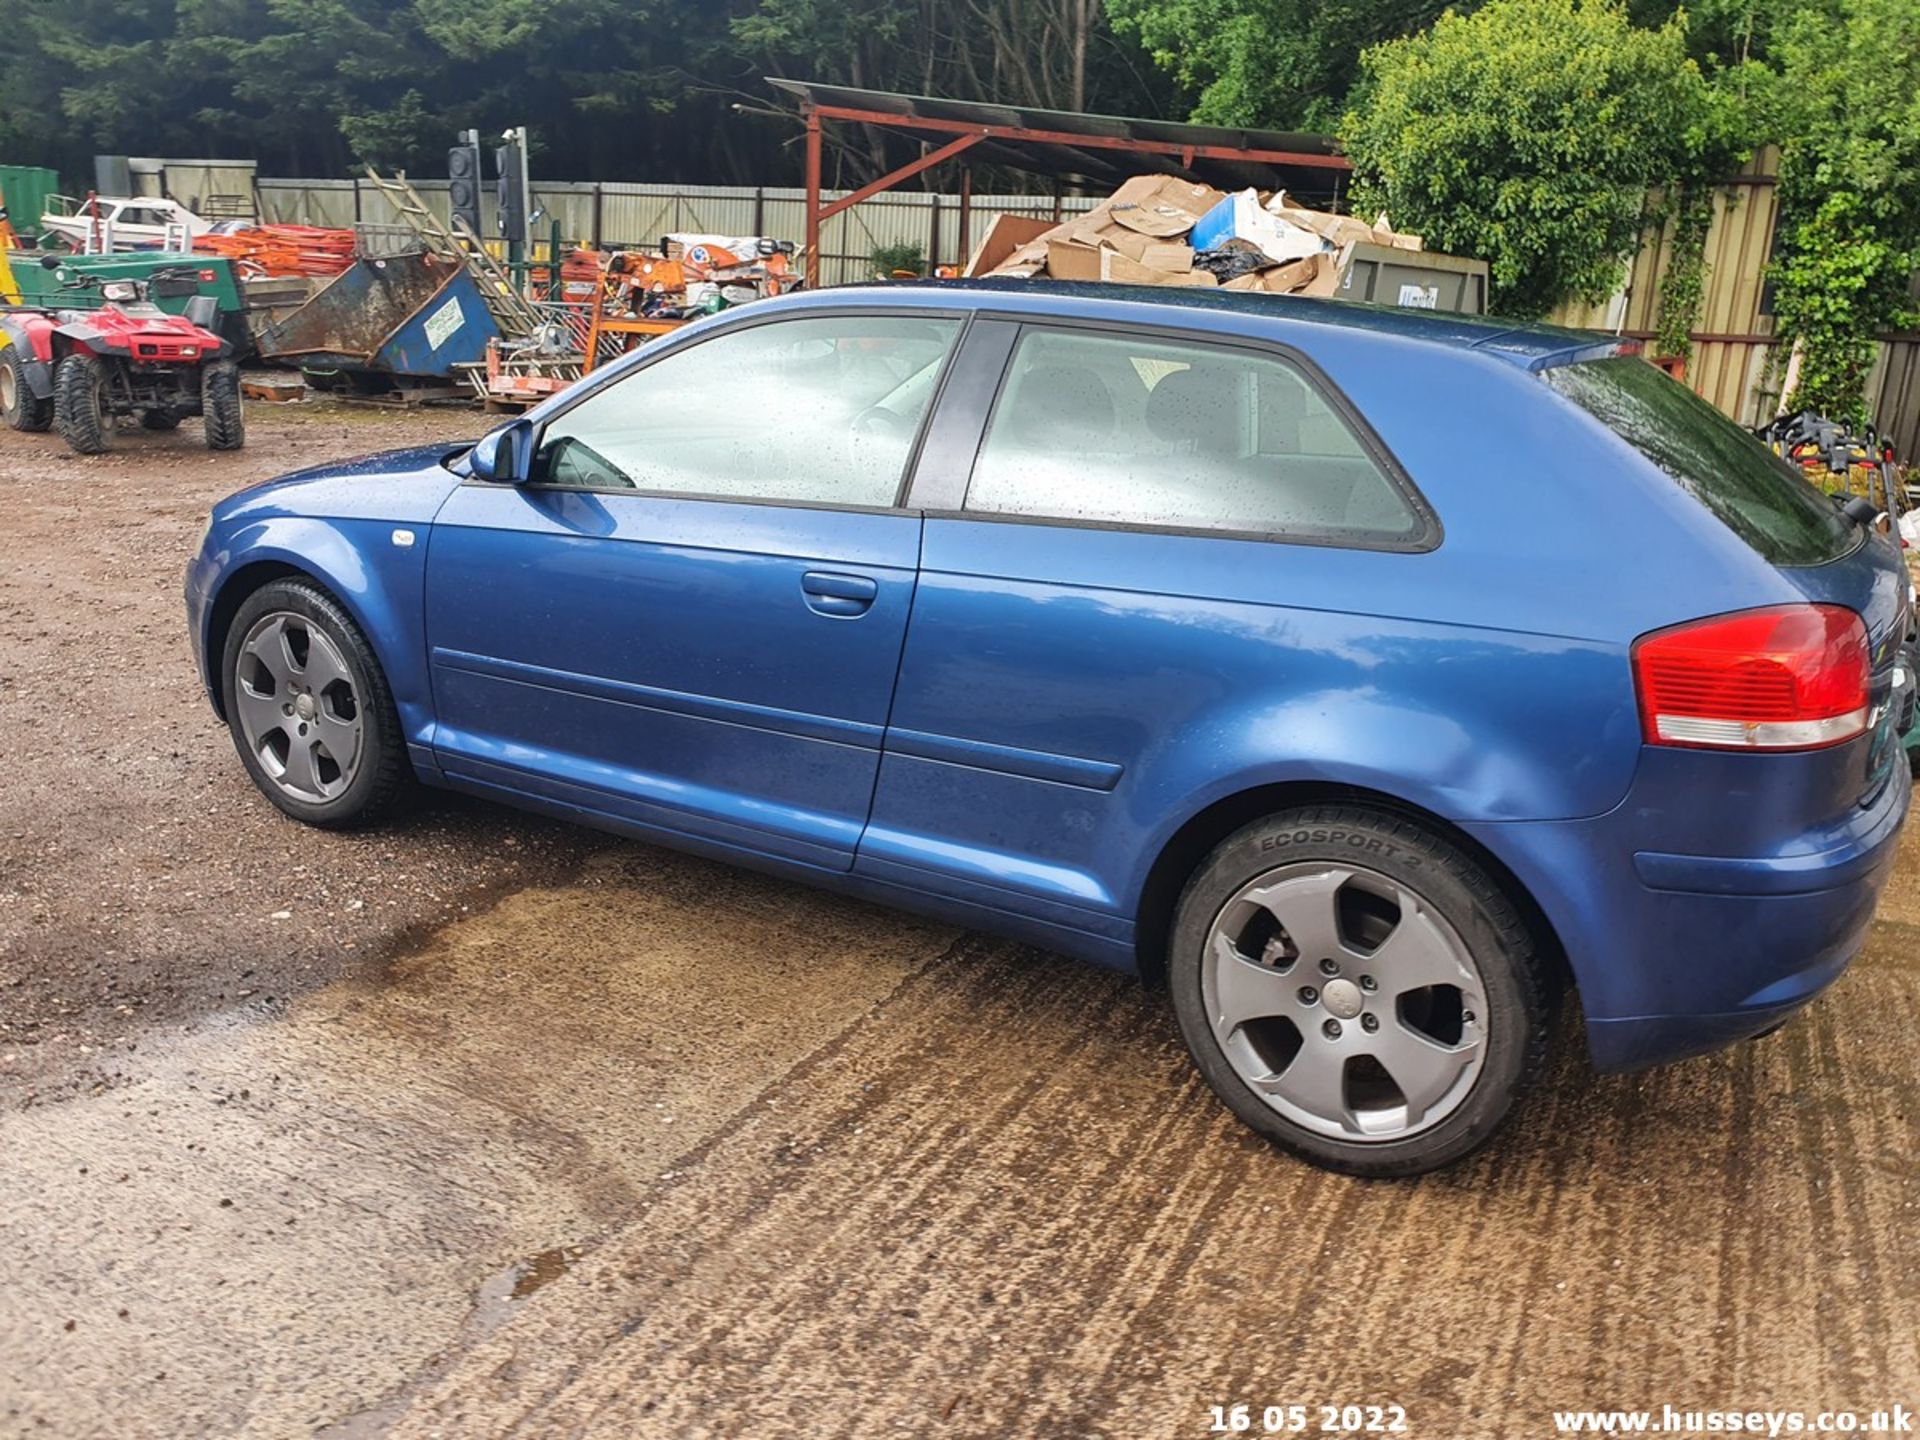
x=19, y=406
x=80, y=409
x=220, y=407
x=159, y=420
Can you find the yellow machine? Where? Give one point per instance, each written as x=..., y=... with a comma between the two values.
x=9, y=291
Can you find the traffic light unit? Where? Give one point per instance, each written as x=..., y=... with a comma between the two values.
x=463, y=176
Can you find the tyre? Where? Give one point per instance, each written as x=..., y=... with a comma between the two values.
x=225, y=420
x=19, y=406
x=310, y=710
x=159, y=420
x=1357, y=989
x=81, y=409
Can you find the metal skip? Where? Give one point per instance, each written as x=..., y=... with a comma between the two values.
x=404, y=315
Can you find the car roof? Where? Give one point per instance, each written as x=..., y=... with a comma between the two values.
x=1530, y=346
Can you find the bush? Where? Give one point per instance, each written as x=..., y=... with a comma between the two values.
x=1849, y=229
x=1527, y=134
x=889, y=259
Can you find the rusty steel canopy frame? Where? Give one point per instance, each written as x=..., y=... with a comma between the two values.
x=1187, y=150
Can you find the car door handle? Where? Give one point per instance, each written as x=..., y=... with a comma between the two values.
x=838, y=595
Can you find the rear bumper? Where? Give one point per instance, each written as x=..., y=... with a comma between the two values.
x=1678, y=954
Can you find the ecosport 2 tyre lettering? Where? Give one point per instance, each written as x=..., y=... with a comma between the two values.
x=19, y=406
x=81, y=409
x=1357, y=989
x=310, y=710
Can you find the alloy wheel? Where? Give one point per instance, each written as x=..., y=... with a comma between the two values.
x=298, y=707
x=1345, y=1001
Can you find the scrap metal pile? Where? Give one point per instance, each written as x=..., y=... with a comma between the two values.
x=692, y=275
x=1159, y=230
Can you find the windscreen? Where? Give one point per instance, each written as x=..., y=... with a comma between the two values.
x=1760, y=497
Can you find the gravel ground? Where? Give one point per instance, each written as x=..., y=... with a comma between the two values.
x=142, y=879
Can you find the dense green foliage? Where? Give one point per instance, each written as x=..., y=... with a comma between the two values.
x=1284, y=63
x=890, y=260
x=1528, y=133
x=1848, y=113
x=1684, y=282
x=614, y=89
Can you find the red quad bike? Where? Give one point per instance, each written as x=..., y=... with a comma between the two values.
x=82, y=371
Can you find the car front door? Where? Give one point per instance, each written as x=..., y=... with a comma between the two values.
x=691, y=617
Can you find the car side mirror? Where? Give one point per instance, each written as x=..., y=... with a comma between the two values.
x=504, y=456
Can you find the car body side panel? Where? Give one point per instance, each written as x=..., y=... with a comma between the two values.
x=1053, y=729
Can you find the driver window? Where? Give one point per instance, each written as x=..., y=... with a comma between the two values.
x=821, y=410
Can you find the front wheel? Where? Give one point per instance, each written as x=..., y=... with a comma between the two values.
x=1357, y=989
x=310, y=710
x=81, y=408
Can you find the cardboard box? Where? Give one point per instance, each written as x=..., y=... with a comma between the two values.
x=1004, y=236
x=1070, y=260
x=1192, y=201
x=1312, y=275
x=1119, y=270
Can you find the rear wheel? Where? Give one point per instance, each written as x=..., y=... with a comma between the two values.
x=19, y=406
x=1357, y=989
x=225, y=420
x=80, y=405
x=159, y=420
x=310, y=710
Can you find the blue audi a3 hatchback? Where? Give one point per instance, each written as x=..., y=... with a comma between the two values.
x=1368, y=677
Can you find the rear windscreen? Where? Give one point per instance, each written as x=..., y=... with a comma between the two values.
x=1761, y=497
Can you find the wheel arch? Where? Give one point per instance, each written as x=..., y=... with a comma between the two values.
x=1196, y=838
x=239, y=583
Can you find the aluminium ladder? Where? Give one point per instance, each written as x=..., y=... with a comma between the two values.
x=461, y=246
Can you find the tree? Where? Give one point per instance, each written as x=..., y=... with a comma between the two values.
x=1046, y=54
x=1528, y=134
x=1848, y=114
x=1282, y=63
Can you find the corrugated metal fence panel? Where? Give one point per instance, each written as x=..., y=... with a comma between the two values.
x=1731, y=336
x=307, y=202
x=633, y=215
x=1894, y=394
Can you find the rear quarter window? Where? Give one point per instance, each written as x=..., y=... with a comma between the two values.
x=1755, y=493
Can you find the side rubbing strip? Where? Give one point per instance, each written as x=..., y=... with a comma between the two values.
x=1009, y=759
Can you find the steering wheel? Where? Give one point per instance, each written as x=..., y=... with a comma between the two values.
x=877, y=422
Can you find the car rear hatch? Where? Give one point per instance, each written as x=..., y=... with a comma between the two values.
x=1825, y=555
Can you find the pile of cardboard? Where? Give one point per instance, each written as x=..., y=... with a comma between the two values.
x=1159, y=230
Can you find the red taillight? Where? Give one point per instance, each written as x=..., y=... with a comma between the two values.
x=1790, y=677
